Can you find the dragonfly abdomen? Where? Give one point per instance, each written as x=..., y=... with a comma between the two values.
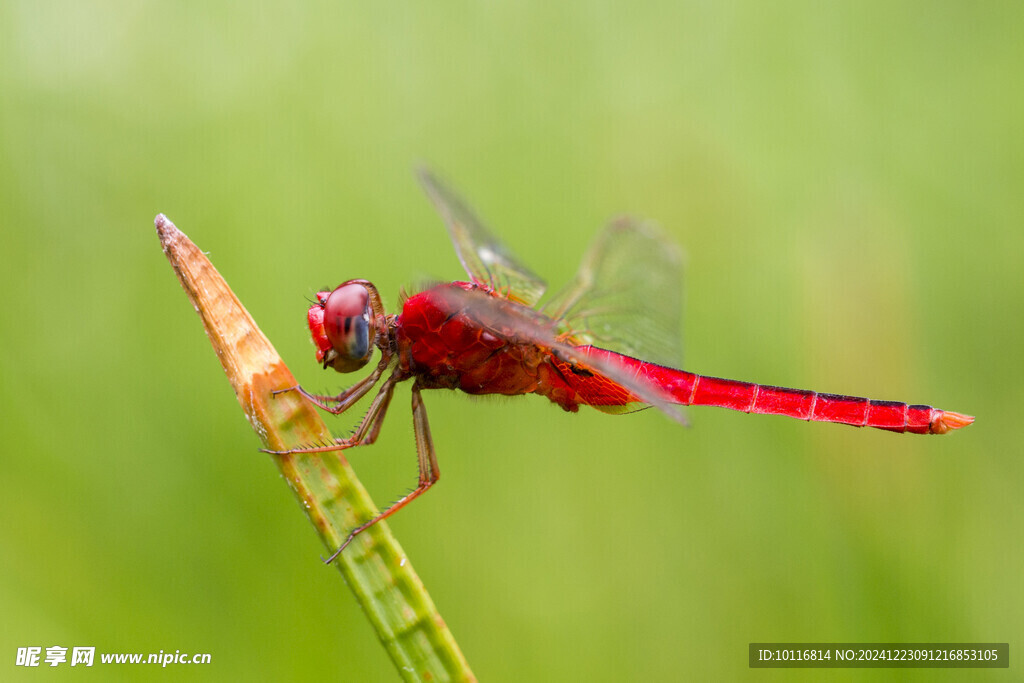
x=688, y=388
x=691, y=389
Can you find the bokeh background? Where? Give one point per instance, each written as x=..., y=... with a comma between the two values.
x=848, y=183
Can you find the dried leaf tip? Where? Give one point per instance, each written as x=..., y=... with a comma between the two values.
x=163, y=223
x=165, y=230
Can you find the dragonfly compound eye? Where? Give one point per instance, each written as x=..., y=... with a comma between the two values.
x=348, y=327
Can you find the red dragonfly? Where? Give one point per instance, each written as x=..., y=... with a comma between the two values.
x=488, y=336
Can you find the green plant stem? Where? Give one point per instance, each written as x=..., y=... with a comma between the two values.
x=374, y=565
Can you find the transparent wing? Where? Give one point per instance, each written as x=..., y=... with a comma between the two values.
x=627, y=294
x=515, y=322
x=486, y=259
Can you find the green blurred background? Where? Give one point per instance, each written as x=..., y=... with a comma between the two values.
x=848, y=182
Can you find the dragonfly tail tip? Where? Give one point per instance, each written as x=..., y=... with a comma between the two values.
x=945, y=421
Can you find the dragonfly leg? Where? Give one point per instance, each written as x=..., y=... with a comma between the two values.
x=426, y=459
x=345, y=399
x=367, y=431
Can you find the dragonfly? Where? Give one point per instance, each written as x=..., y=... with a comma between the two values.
x=608, y=340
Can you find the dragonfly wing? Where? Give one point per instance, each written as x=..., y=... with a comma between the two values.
x=627, y=294
x=486, y=259
x=515, y=322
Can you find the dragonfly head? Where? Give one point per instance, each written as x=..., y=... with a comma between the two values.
x=343, y=323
